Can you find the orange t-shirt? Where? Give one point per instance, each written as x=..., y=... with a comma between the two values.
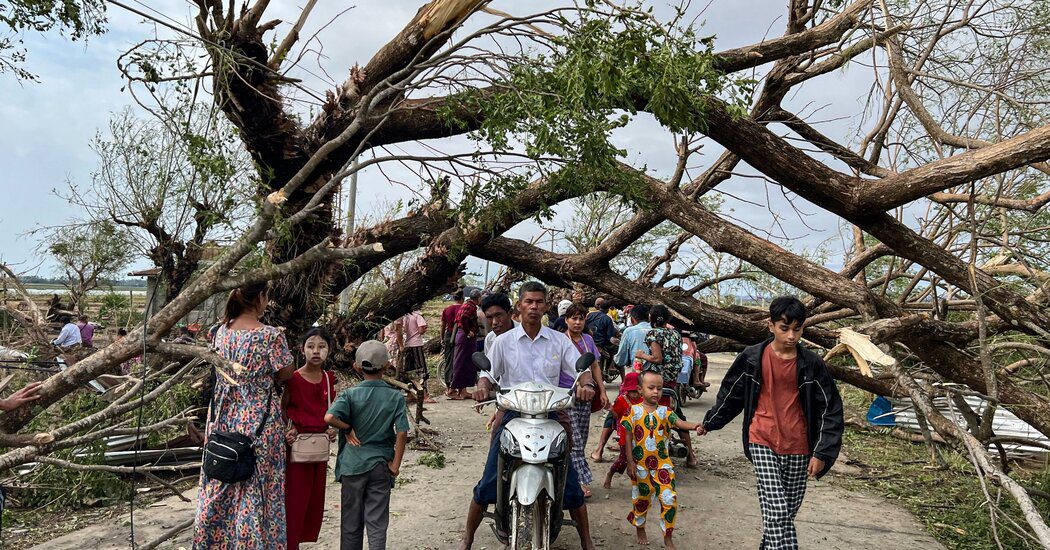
x=779, y=422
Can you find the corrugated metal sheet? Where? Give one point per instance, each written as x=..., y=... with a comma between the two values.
x=1004, y=423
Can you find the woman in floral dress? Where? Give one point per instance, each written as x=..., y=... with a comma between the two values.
x=249, y=514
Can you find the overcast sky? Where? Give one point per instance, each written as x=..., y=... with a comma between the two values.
x=49, y=125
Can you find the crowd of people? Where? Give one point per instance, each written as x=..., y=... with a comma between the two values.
x=292, y=413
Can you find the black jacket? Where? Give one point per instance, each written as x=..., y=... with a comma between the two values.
x=601, y=327
x=821, y=403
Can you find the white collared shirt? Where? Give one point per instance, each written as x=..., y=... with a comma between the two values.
x=516, y=358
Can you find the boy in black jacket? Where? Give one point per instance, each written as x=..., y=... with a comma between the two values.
x=792, y=418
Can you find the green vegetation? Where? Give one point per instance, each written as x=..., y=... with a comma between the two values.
x=432, y=460
x=55, y=489
x=949, y=502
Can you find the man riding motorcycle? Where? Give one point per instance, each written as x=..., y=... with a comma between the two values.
x=530, y=352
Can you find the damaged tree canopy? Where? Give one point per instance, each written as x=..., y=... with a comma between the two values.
x=943, y=186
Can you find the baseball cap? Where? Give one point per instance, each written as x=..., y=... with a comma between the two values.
x=630, y=382
x=563, y=306
x=372, y=356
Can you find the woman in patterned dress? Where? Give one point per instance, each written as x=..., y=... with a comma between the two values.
x=665, y=357
x=251, y=513
x=580, y=415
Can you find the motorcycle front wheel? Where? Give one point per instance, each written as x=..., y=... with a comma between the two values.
x=531, y=529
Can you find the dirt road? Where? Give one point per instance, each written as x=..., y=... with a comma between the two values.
x=718, y=506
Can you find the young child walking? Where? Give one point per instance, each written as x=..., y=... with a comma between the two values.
x=628, y=396
x=647, y=429
x=792, y=418
x=374, y=429
x=306, y=398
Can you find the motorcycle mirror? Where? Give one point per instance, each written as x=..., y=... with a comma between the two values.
x=584, y=362
x=480, y=361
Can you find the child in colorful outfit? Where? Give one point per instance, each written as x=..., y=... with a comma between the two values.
x=628, y=396
x=792, y=418
x=372, y=419
x=647, y=428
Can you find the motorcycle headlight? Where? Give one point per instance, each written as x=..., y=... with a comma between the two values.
x=509, y=445
x=532, y=402
x=558, y=447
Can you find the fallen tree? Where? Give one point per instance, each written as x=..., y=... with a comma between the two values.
x=542, y=95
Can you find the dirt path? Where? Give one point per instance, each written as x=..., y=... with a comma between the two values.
x=719, y=508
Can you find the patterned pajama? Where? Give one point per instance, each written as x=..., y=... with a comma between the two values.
x=654, y=471
x=781, y=487
x=580, y=416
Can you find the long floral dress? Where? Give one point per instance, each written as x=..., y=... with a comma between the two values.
x=671, y=346
x=249, y=514
x=654, y=473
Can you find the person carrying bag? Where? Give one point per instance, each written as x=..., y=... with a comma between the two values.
x=309, y=448
x=240, y=495
x=229, y=456
x=306, y=400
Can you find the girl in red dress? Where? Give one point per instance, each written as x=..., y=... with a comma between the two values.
x=305, y=402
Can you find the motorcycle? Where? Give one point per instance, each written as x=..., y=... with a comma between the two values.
x=610, y=370
x=685, y=389
x=677, y=448
x=533, y=460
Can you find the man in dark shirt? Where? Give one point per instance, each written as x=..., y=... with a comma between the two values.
x=601, y=326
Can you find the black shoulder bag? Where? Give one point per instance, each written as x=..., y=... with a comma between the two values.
x=230, y=456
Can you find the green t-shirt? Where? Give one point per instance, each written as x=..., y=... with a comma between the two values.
x=376, y=412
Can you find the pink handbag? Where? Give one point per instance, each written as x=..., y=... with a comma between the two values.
x=312, y=448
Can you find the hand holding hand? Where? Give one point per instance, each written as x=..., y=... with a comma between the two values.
x=332, y=434
x=701, y=430
x=351, y=438
x=815, y=467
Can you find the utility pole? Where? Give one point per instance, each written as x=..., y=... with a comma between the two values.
x=351, y=209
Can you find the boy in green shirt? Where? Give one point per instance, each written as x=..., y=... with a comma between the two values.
x=372, y=420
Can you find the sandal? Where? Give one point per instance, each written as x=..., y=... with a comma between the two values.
x=597, y=458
